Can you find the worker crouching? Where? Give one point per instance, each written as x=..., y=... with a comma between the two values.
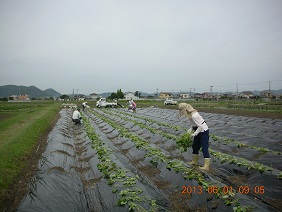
x=199, y=133
x=76, y=116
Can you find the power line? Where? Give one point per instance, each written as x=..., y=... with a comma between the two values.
x=263, y=85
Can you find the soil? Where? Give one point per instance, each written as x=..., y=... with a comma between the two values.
x=20, y=187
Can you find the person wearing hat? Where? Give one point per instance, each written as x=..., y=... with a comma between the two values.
x=76, y=116
x=199, y=132
x=84, y=105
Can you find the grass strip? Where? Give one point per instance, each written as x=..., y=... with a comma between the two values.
x=20, y=141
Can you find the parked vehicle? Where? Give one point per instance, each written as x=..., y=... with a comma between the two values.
x=103, y=103
x=170, y=101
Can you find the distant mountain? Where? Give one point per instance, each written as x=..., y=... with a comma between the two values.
x=277, y=91
x=51, y=92
x=107, y=94
x=32, y=91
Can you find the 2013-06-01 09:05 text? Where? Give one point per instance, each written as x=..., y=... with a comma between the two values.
x=243, y=189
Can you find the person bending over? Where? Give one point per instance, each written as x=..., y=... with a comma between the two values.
x=199, y=133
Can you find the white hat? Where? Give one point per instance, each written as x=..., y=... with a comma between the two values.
x=185, y=109
x=190, y=108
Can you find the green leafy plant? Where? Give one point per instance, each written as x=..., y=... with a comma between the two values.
x=117, y=176
x=184, y=142
x=176, y=165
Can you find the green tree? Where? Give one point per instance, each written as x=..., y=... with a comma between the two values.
x=113, y=96
x=64, y=96
x=120, y=94
x=136, y=93
x=4, y=99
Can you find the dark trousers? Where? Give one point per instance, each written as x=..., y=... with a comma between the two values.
x=76, y=121
x=201, y=140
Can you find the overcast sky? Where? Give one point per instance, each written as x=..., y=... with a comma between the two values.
x=99, y=46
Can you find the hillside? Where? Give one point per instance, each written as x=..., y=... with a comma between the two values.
x=32, y=91
x=51, y=92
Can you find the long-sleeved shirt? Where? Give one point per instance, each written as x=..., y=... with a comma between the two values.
x=76, y=114
x=197, y=121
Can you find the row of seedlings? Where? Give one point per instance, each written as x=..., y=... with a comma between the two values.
x=220, y=139
x=122, y=181
x=232, y=160
x=184, y=142
x=177, y=165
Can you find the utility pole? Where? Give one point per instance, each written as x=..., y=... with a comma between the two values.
x=157, y=92
x=237, y=89
x=211, y=90
x=73, y=94
x=76, y=94
x=269, y=90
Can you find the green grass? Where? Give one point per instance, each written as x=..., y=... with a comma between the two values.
x=20, y=129
x=246, y=105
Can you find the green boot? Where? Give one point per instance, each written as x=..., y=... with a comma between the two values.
x=195, y=159
x=206, y=166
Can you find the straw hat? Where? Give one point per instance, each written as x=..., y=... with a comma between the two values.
x=185, y=109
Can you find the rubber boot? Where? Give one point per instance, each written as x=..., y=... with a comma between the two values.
x=195, y=159
x=206, y=166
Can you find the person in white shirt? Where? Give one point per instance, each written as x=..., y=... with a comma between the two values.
x=199, y=132
x=84, y=105
x=129, y=105
x=76, y=116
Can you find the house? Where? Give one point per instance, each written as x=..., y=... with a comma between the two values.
x=130, y=96
x=13, y=97
x=278, y=96
x=80, y=97
x=20, y=98
x=266, y=94
x=204, y=95
x=246, y=94
x=184, y=96
x=164, y=95
x=23, y=98
x=93, y=96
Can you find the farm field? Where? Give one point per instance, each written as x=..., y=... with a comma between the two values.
x=118, y=161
